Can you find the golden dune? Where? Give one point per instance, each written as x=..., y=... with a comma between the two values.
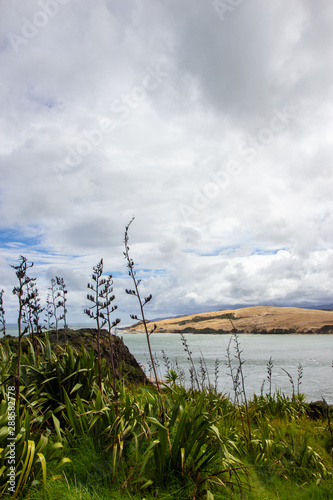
x=257, y=319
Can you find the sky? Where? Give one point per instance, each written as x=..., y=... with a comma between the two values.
x=209, y=121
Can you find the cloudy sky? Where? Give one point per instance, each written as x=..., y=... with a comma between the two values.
x=209, y=121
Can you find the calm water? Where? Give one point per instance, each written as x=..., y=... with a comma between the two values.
x=314, y=352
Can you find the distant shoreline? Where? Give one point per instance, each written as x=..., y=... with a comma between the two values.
x=198, y=332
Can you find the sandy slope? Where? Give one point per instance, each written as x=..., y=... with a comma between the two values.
x=260, y=319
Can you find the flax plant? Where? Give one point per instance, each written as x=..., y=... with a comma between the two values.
x=299, y=377
x=269, y=374
x=24, y=301
x=238, y=380
x=193, y=371
x=34, y=452
x=291, y=380
x=49, y=314
x=52, y=308
x=62, y=296
x=53, y=372
x=142, y=303
x=107, y=295
x=2, y=315
x=96, y=311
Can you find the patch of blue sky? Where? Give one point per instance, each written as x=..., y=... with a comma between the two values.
x=232, y=249
x=228, y=250
x=13, y=238
x=139, y=272
x=26, y=244
x=115, y=274
x=152, y=271
x=266, y=251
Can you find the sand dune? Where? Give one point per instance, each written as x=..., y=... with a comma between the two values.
x=258, y=319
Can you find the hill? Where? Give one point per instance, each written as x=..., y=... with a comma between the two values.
x=257, y=319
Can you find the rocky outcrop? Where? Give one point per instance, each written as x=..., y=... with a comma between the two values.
x=126, y=366
x=319, y=409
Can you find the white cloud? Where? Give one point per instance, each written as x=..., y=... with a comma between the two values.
x=215, y=134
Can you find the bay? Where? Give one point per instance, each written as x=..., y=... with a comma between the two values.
x=313, y=352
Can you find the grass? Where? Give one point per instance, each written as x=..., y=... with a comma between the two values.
x=90, y=474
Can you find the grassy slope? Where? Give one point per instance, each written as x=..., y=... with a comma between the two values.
x=278, y=470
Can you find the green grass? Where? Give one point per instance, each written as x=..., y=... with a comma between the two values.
x=283, y=471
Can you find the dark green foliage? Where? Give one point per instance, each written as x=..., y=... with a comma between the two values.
x=211, y=331
x=55, y=372
x=35, y=451
x=198, y=319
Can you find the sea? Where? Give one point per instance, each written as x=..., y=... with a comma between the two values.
x=304, y=359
